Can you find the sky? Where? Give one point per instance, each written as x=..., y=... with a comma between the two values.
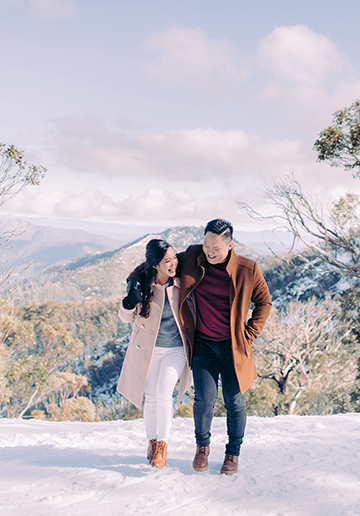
x=169, y=112
x=288, y=466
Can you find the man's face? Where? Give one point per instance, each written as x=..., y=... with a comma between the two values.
x=216, y=248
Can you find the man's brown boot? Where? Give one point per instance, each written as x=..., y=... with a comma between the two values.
x=200, y=462
x=151, y=450
x=159, y=460
x=230, y=465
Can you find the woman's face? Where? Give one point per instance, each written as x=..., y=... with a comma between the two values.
x=167, y=267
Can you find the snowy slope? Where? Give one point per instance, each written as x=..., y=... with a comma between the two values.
x=290, y=466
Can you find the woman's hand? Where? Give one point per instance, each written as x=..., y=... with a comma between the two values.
x=134, y=295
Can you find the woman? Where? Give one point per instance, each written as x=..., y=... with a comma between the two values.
x=157, y=354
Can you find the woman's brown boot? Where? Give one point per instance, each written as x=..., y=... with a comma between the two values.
x=160, y=455
x=151, y=450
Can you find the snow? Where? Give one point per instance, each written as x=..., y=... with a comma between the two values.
x=289, y=466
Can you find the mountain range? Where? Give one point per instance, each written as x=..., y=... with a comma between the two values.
x=102, y=275
x=35, y=248
x=76, y=265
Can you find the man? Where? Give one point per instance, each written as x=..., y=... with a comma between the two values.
x=217, y=287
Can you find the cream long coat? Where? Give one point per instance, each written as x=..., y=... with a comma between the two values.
x=139, y=353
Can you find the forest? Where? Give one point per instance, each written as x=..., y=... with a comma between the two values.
x=61, y=360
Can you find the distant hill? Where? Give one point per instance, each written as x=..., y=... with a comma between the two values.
x=102, y=275
x=74, y=265
x=44, y=247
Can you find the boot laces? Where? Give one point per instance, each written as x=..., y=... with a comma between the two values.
x=160, y=447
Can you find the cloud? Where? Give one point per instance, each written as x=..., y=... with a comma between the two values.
x=306, y=71
x=86, y=145
x=218, y=206
x=146, y=205
x=185, y=155
x=293, y=65
x=53, y=8
x=299, y=66
x=156, y=204
x=46, y=8
x=199, y=153
x=197, y=143
x=189, y=57
x=300, y=55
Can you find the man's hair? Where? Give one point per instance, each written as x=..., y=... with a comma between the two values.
x=220, y=227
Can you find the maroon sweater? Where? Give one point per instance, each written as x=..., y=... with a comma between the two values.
x=213, y=304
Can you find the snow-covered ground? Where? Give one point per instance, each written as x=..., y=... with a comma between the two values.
x=290, y=466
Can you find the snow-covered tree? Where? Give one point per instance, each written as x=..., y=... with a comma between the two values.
x=307, y=356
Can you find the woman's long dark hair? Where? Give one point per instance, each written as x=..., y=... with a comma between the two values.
x=155, y=252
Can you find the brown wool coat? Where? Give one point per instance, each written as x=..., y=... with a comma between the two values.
x=247, y=285
x=140, y=349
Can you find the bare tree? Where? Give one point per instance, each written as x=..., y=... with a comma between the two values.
x=334, y=242
x=15, y=172
x=309, y=353
x=15, y=175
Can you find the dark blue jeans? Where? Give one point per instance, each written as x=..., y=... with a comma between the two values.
x=210, y=360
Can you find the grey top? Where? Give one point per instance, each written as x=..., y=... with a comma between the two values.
x=168, y=336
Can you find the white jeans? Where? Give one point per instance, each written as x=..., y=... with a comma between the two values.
x=165, y=369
